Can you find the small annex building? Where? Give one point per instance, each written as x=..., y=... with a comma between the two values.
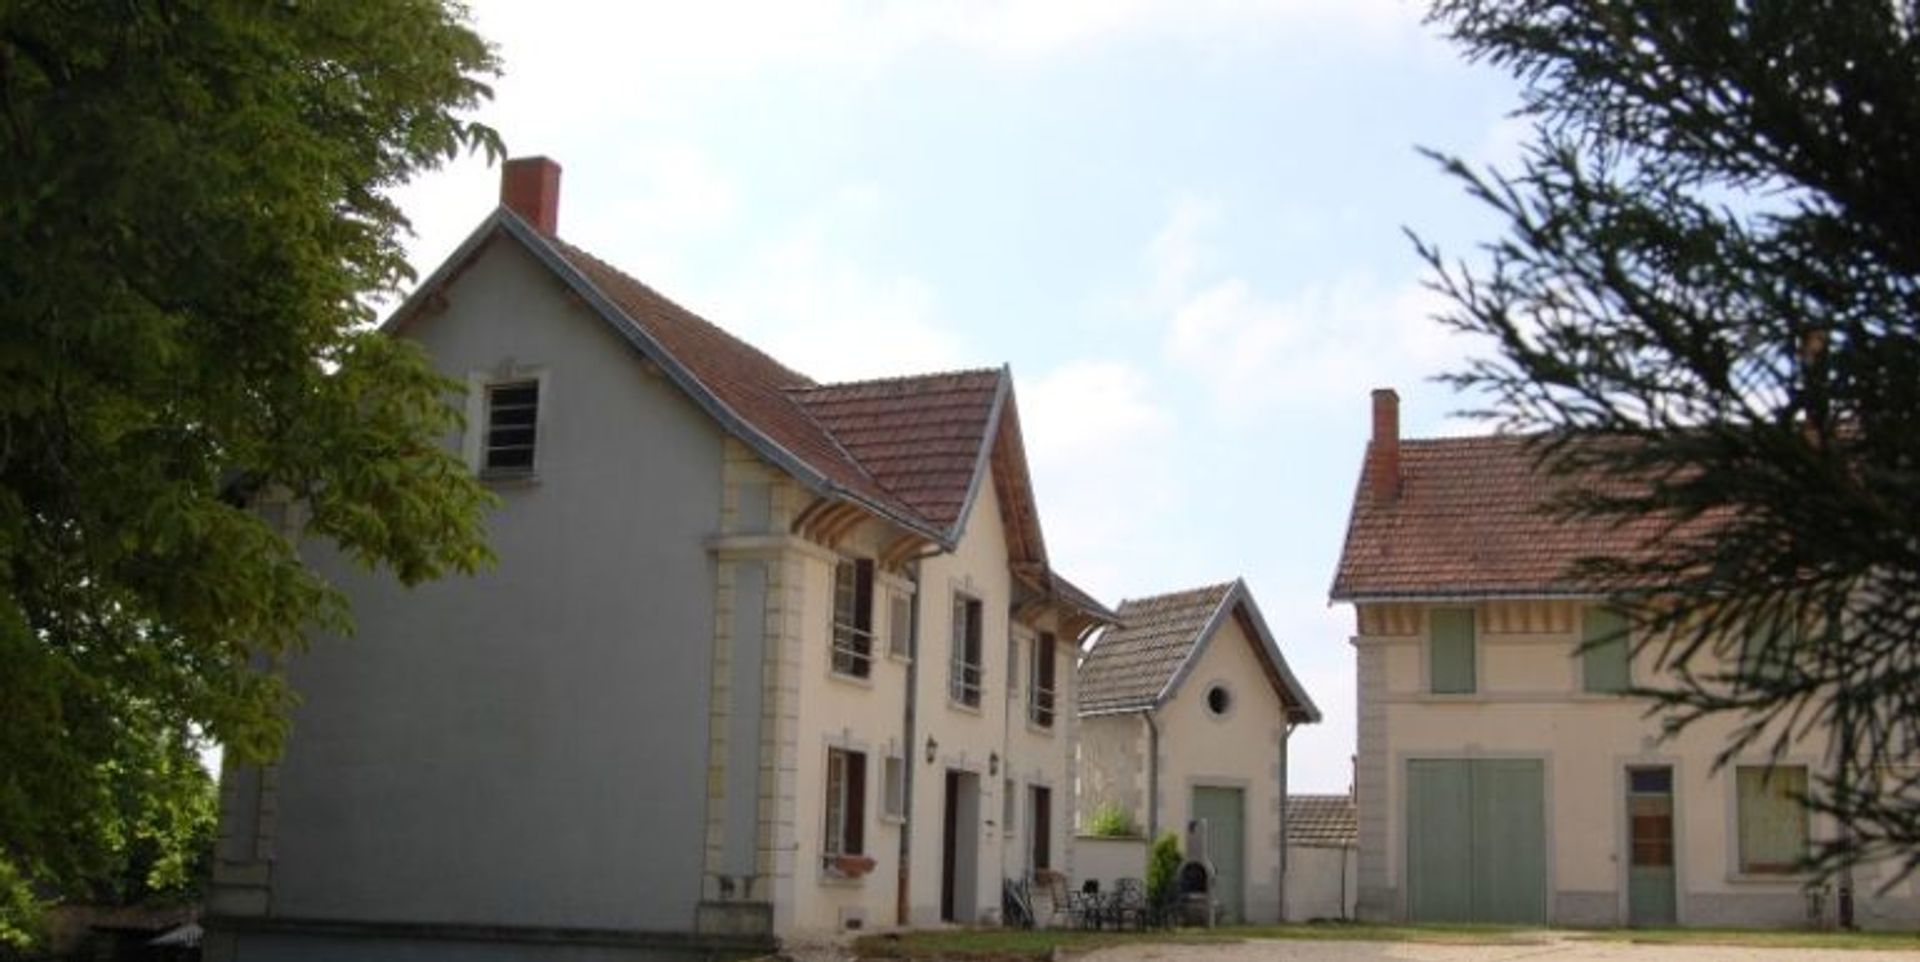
x=1185, y=709
x=1323, y=857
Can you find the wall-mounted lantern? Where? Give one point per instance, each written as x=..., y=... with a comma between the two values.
x=933, y=749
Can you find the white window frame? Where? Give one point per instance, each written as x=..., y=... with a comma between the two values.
x=839, y=798
x=480, y=386
x=966, y=678
x=851, y=646
x=1036, y=695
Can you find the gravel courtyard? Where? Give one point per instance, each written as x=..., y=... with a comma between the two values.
x=1549, y=949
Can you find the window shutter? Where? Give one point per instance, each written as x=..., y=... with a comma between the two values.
x=1450, y=644
x=836, y=814
x=900, y=625
x=1046, y=663
x=1773, y=823
x=863, y=594
x=856, y=803
x=973, y=632
x=1605, y=651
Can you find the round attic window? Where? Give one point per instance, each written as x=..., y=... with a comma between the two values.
x=1219, y=699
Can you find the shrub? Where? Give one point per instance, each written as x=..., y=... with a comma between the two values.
x=1163, y=863
x=1112, y=821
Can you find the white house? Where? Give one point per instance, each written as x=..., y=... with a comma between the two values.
x=1185, y=709
x=761, y=655
x=1503, y=774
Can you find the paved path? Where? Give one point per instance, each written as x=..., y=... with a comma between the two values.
x=1549, y=949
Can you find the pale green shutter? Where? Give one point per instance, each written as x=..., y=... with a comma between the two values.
x=1773, y=822
x=1450, y=650
x=1604, y=651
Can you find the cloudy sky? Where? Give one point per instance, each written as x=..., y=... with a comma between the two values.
x=1180, y=223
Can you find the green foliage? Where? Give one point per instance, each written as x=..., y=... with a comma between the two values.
x=1163, y=865
x=1708, y=298
x=1110, y=820
x=192, y=220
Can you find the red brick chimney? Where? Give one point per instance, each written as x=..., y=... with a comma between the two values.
x=1383, y=453
x=530, y=187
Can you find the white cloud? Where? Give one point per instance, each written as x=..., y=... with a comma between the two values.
x=1306, y=347
x=804, y=299
x=1098, y=440
x=718, y=39
x=1178, y=253
x=1084, y=407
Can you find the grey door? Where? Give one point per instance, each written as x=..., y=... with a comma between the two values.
x=1650, y=881
x=1476, y=840
x=1224, y=810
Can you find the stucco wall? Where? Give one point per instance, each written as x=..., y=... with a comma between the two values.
x=1322, y=882
x=1113, y=766
x=524, y=747
x=1240, y=749
x=1106, y=859
x=839, y=711
x=1530, y=705
x=1038, y=756
x=965, y=737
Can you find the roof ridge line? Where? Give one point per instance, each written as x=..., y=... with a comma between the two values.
x=893, y=379
x=1197, y=589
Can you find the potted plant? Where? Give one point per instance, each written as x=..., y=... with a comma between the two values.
x=850, y=866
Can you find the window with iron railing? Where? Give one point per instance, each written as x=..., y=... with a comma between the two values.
x=1040, y=681
x=964, y=671
x=853, y=618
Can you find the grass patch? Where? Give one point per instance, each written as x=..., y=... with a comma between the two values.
x=1762, y=938
x=1026, y=944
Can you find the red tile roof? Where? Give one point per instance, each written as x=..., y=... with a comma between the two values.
x=1322, y=820
x=1134, y=665
x=1470, y=521
x=919, y=437
x=1131, y=665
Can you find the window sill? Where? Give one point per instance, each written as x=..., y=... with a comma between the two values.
x=899, y=657
x=837, y=881
x=853, y=680
x=893, y=819
x=1046, y=730
x=1795, y=880
x=963, y=707
x=496, y=477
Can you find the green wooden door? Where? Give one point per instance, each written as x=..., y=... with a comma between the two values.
x=1439, y=840
x=1476, y=840
x=1650, y=882
x=1509, y=842
x=1225, y=812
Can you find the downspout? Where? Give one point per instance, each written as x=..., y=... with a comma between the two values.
x=908, y=754
x=1153, y=778
x=1286, y=736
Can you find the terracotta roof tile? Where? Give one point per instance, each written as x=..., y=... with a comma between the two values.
x=1131, y=664
x=1327, y=820
x=1470, y=520
x=919, y=437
